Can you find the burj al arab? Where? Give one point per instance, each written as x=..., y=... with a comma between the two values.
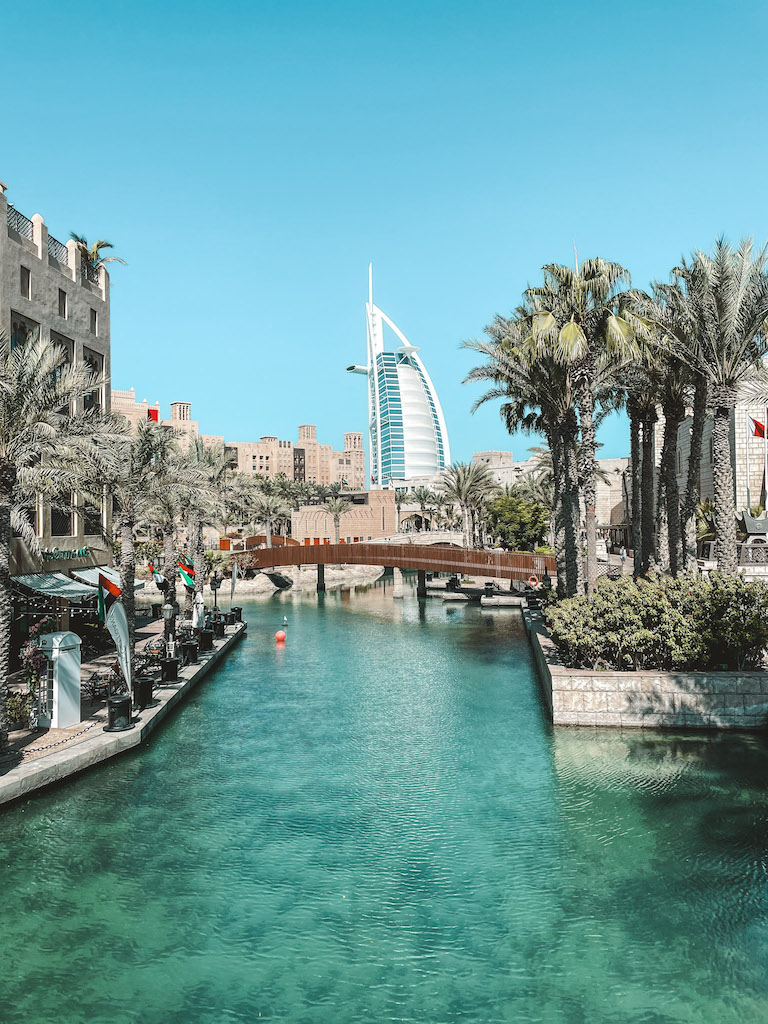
x=406, y=426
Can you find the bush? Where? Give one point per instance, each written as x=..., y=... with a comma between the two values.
x=19, y=708
x=518, y=524
x=684, y=623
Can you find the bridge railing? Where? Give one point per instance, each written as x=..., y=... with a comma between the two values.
x=472, y=561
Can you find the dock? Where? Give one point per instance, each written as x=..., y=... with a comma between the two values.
x=87, y=744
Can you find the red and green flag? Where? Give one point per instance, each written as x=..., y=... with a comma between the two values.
x=188, y=580
x=108, y=594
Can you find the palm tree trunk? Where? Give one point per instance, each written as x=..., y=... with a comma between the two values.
x=572, y=517
x=587, y=468
x=693, y=482
x=466, y=525
x=647, y=516
x=7, y=481
x=555, y=447
x=723, y=400
x=673, y=417
x=336, y=530
x=128, y=580
x=636, y=506
x=268, y=531
x=200, y=560
x=170, y=569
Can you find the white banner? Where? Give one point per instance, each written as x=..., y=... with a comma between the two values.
x=117, y=624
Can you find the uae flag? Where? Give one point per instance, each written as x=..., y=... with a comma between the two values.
x=188, y=580
x=758, y=428
x=108, y=594
x=186, y=567
x=157, y=576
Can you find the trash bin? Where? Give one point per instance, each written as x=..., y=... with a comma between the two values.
x=156, y=611
x=118, y=713
x=206, y=639
x=143, y=691
x=189, y=652
x=169, y=670
x=237, y=611
x=218, y=629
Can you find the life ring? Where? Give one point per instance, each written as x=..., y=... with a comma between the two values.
x=533, y=582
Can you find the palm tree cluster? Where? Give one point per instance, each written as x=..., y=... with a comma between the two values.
x=584, y=343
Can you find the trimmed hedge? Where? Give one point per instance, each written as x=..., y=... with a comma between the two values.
x=666, y=623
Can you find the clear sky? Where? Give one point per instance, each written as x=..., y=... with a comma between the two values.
x=249, y=158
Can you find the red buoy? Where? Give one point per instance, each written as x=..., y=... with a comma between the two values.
x=280, y=635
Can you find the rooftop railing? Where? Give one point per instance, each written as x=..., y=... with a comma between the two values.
x=58, y=250
x=19, y=223
x=90, y=273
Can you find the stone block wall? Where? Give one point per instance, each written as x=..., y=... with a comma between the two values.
x=648, y=699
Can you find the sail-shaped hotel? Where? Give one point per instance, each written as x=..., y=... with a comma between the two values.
x=406, y=426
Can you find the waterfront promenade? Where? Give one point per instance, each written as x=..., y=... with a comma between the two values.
x=52, y=758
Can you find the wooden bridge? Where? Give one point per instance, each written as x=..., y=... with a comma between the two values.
x=509, y=565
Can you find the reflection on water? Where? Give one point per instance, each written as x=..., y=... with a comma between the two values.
x=375, y=822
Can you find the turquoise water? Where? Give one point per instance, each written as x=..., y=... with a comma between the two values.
x=376, y=823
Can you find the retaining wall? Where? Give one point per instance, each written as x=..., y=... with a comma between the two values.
x=648, y=699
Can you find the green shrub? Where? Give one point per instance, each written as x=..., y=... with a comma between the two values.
x=18, y=708
x=684, y=623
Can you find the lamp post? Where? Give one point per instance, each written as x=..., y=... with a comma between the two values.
x=169, y=624
x=215, y=583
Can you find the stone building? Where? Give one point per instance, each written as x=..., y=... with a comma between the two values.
x=747, y=457
x=307, y=461
x=181, y=421
x=47, y=291
x=371, y=516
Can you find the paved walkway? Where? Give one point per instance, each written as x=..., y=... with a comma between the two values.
x=40, y=759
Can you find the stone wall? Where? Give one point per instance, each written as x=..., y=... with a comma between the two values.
x=646, y=700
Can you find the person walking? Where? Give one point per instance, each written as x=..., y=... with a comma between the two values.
x=623, y=556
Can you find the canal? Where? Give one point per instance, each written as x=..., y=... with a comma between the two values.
x=376, y=823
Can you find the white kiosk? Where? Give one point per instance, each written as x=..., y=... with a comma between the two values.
x=59, y=697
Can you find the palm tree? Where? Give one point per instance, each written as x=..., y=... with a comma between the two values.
x=715, y=314
x=466, y=483
x=41, y=451
x=265, y=509
x=91, y=254
x=401, y=499
x=576, y=320
x=423, y=498
x=336, y=507
x=134, y=480
x=209, y=468
x=539, y=399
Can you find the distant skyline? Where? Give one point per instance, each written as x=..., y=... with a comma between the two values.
x=249, y=159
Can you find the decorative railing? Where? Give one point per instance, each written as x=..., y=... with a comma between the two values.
x=58, y=250
x=19, y=223
x=754, y=554
x=90, y=273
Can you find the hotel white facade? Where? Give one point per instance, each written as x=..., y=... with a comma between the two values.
x=406, y=427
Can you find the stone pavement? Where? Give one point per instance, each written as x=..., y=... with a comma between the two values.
x=52, y=759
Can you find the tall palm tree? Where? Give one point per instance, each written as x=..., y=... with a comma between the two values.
x=92, y=252
x=466, y=483
x=539, y=399
x=715, y=313
x=576, y=319
x=265, y=509
x=41, y=452
x=401, y=498
x=209, y=469
x=336, y=507
x=424, y=499
x=134, y=480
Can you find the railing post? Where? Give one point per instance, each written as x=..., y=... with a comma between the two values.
x=421, y=585
x=320, y=578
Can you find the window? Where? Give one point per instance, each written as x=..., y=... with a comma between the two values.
x=26, y=283
x=96, y=365
x=94, y=322
x=62, y=303
x=23, y=330
x=91, y=521
x=61, y=516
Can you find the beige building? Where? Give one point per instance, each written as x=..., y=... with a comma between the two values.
x=47, y=291
x=181, y=421
x=371, y=517
x=307, y=461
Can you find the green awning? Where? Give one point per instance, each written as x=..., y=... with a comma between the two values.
x=55, y=584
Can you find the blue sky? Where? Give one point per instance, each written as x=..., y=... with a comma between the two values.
x=249, y=159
